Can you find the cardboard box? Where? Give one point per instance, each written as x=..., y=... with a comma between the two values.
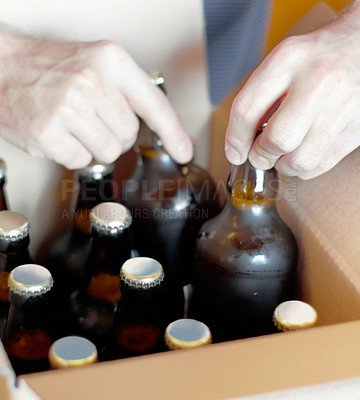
x=323, y=214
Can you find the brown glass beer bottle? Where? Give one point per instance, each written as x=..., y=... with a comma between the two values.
x=140, y=320
x=29, y=331
x=72, y=351
x=93, y=305
x=67, y=255
x=186, y=333
x=3, y=199
x=293, y=315
x=169, y=203
x=14, y=242
x=245, y=261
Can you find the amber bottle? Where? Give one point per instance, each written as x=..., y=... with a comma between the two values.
x=140, y=320
x=186, y=333
x=245, y=261
x=72, y=351
x=3, y=200
x=92, y=307
x=14, y=242
x=29, y=330
x=67, y=255
x=169, y=203
x=294, y=315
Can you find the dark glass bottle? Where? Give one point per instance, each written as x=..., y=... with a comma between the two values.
x=3, y=199
x=67, y=255
x=14, y=242
x=141, y=317
x=186, y=333
x=93, y=306
x=293, y=315
x=169, y=203
x=29, y=330
x=246, y=258
x=72, y=351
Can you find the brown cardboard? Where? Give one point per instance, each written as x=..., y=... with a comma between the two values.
x=323, y=216
x=220, y=371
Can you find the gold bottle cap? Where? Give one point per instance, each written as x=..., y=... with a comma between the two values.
x=294, y=315
x=72, y=351
x=2, y=169
x=30, y=280
x=187, y=333
x=110, y=218
x=96, y=171
x=13, y=226
x=142, y=272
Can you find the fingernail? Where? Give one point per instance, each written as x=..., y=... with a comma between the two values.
x=259, y=161
x=232, y=155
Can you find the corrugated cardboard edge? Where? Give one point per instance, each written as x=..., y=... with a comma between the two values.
x=221, y=371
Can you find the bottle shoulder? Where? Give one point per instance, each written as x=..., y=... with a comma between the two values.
x=236, y=232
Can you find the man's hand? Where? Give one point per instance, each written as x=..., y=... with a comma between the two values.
x=74, y=102
x=317, y=78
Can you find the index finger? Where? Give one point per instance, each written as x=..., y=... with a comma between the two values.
x=153, y=106
x=268, y=83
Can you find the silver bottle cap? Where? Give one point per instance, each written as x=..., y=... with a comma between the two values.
x=13, y=226
x=72, y=351
x=30, y=280
x=187, y=333
x=293, y=315
x=110, y=218
x=2, y=169
x=142, y=272
x=96, y=171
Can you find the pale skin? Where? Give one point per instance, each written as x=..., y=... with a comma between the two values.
x=316, y=77
x=77, y=102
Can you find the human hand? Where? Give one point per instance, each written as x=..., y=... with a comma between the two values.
x=73, y=102
x=317, y=79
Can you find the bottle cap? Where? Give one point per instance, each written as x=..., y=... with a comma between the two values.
x=30, y=280
x=187, y=333
x=110, y=218
x=293, y=315
x=96, y=171
x=13, y=226
x=2, y=169
x=72, y=351
x=142, y=272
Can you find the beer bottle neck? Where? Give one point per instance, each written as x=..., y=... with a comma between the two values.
x=91, y=193
x=248, y=186
x=15, y=248
x=151, y=153
x=3, y=201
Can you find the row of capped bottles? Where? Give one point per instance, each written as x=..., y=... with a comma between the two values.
x=30, y=339
x=139, y=327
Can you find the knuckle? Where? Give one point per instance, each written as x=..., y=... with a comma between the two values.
x=289, y=47
x=83, y=78
x=110, y=50
x=242, y=112
x=40, y=135
x=280, y=141
x=303, y=164
x=109, y=153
